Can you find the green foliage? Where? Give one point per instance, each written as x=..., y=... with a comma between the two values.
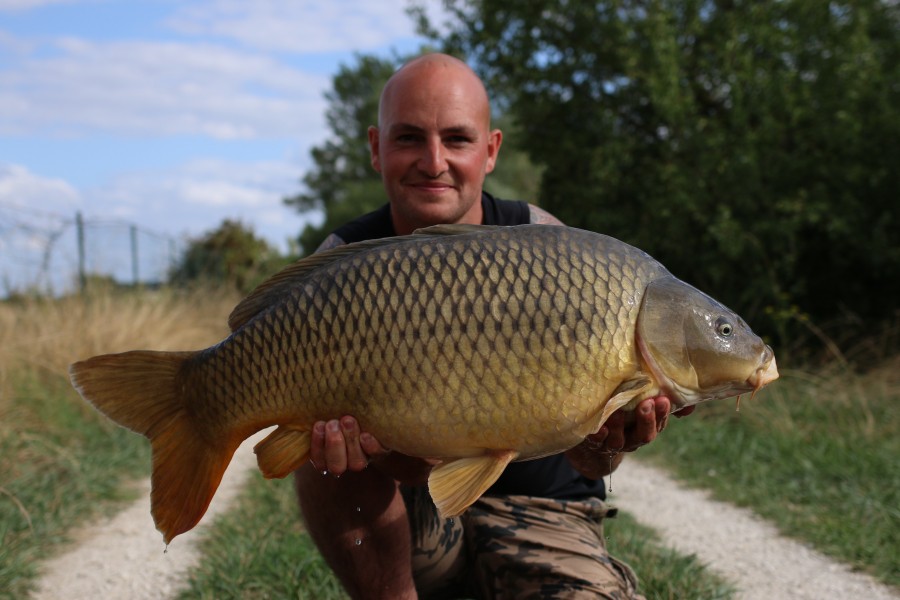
x=231, y=254
x=342, y=181
x=751, y=146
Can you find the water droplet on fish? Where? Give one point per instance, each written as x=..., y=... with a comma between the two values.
x=325, y=472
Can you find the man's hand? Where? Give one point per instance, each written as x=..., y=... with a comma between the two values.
x=601, y=452
x=338, y=446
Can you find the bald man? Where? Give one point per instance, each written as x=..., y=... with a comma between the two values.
x=538, y=531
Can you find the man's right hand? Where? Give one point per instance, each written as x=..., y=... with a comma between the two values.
x=338, y=446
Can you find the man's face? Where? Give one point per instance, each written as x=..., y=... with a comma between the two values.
x=434, y=147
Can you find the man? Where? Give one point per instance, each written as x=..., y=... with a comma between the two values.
x=536, y=532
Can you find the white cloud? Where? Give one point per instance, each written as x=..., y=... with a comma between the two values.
x=300, y=26
x=23, y=5
x=28, y=193
x=158, y=88
x=197, y=196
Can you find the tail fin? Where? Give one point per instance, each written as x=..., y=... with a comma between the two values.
x=141, y=391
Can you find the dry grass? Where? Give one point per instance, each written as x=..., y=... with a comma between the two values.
x=46, y=335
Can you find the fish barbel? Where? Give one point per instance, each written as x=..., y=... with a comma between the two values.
x=473, y=345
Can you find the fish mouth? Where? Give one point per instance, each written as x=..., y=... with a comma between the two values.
x=765, y=374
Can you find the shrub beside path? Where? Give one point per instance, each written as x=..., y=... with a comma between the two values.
x=123, y=557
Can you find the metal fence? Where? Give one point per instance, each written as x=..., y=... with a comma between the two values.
x=51, y=253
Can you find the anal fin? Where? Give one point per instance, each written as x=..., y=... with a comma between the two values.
x=282, y=451
x=456, y=484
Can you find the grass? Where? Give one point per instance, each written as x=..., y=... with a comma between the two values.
x=259, y=551
x=815, y=454
x=61, y=463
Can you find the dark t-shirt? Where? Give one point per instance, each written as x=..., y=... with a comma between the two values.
x=549, y=477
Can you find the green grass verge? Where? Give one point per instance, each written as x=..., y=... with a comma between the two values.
x=60, y=465
x=819, y=458
x=259, y=551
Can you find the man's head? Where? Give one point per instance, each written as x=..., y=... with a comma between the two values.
x=434, y=145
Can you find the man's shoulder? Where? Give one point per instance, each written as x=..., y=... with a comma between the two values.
x=539, y=216
x=376, y=224
x=498, y=211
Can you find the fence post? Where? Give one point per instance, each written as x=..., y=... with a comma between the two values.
x=82, y=269
x=134, y=255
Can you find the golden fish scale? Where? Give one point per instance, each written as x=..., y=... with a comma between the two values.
x=441, y=347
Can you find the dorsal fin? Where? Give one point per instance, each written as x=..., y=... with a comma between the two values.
x=456, y=229
x=274, y=288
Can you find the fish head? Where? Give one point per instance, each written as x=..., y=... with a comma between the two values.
x=697, y=349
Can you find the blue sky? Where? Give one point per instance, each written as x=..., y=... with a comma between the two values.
x=170, y=114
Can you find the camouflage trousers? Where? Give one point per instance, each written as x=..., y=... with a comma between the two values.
x=516, y=547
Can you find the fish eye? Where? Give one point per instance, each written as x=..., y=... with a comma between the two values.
x=724, y=327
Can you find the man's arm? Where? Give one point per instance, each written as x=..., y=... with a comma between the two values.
x=539, y=216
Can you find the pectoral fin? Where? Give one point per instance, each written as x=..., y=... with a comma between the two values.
x=457, y=484
x=628, y=391
x=283, y=451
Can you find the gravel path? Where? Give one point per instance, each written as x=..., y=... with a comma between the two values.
x=735, y=542
x=124, y=558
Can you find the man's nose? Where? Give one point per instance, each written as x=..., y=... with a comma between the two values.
x=433, y=162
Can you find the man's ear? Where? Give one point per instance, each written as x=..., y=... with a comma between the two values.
x=374, y=147
x=495, y=139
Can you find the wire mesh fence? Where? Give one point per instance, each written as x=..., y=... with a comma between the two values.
x=51, y=253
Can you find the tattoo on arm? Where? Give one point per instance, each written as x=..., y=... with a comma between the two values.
x=332, y=241
x=539, y=216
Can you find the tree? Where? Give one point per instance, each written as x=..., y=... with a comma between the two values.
x=752, y=147
x=342, y=182
x=231, y=254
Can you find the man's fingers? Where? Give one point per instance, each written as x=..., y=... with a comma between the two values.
x=662, y=406
x=335, y=448
x=645, y=425
x=356, y=458
x=615, y=437
x=317, y=446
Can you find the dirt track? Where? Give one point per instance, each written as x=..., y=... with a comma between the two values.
x=123, y=557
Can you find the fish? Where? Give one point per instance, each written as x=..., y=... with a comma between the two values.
x=472, y=345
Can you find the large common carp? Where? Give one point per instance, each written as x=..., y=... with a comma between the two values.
x=474, y=345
